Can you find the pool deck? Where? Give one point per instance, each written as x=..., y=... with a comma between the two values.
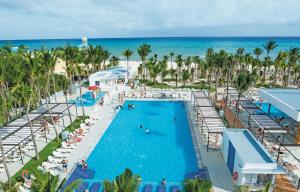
x=212, y=160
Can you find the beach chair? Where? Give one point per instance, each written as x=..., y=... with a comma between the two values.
x=82, y=187
x=148, y=188
x=95, y=187
x=175, y=188
x=161, y=188
x=59, y=155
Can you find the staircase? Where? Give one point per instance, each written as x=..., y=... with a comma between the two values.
x=282, y=184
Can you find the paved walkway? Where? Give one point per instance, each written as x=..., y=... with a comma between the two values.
x=212, y=160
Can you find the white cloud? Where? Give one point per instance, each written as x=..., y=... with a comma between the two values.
x=113, y=18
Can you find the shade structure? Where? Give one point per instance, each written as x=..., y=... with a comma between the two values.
x=93, y=88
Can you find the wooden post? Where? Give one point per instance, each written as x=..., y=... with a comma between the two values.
x=297, y=141
x=63, y=121
x=207, y=141
x=21, y=154
x=269, y=109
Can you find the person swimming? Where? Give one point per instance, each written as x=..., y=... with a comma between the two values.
x=147, y=131
x=174, y=119
x=141, y=126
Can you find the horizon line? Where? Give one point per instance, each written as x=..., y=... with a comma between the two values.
x=150, y=37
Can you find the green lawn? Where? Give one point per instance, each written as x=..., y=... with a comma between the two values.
x=48, y=149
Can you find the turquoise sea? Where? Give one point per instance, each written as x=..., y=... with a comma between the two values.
x=187, y=46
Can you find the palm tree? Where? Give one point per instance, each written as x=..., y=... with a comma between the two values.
x=210, y=64
x=48, y=60
x=171, y=57
x=243, y=83
x=65, y=83
x=220, y=61
x=257, y=51
x=126, y=182
x=279, y=62
x=80, y=72
x=228, y=69
x=49, y=183
x=143, y=51
x=27, y=99
x=127, y=53
x=185, y=75
x=269, y=46
x=197, y=185
x=179, y=62
x=114, y=61
x=292, y=60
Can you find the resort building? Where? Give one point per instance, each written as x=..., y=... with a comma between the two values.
x=111, y=75
x=248, y=161
x=288, y=102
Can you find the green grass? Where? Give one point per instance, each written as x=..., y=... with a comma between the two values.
x=268, y=85
x=48, y=150
x=155, y=85
x=199, y=86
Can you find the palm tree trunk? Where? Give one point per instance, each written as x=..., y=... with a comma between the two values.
x=69, y=112
x=237, y=111
x=80, y=92
x=54, y=87
x=127, y=69
x=48, y=108
x=52, y=120
x=4, y=162
x=227, y=88
x=216, y=85
x=31, y=131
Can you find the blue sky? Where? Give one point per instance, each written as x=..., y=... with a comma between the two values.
x=22, y=19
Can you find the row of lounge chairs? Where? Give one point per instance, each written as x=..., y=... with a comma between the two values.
x=54, y=161
x=160, y=188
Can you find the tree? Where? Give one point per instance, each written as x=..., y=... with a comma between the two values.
x=185, y=76
x=210, y=65
x=242, y=83
x=220, y=60
x=48, y=60
x=171, y=57
x=64, y=82
x=126, y=182
x=293, y=58
x=197, y=185
x=27, y=99
x=269, y=46
x=45, y=182
x=279, y=62
x=114, y=61
x=127, y=53
x=143, y=51
x=80, y=72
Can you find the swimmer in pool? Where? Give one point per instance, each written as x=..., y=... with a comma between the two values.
x=147, y=131
x=141, y=126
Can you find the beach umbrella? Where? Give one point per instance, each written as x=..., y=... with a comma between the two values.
x=65, y=135
x=93, y=88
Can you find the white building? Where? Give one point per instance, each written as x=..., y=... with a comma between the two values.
x=106, y=77
x=247, y=160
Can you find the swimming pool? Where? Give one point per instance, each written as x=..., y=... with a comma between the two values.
x=274, y=112
x=167, y=152
x=87, y=99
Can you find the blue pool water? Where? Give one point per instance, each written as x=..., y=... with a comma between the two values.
x=274, y=112
x=87, y=99
x=167, y=152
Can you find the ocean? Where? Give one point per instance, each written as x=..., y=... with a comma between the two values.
x=186, y=46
